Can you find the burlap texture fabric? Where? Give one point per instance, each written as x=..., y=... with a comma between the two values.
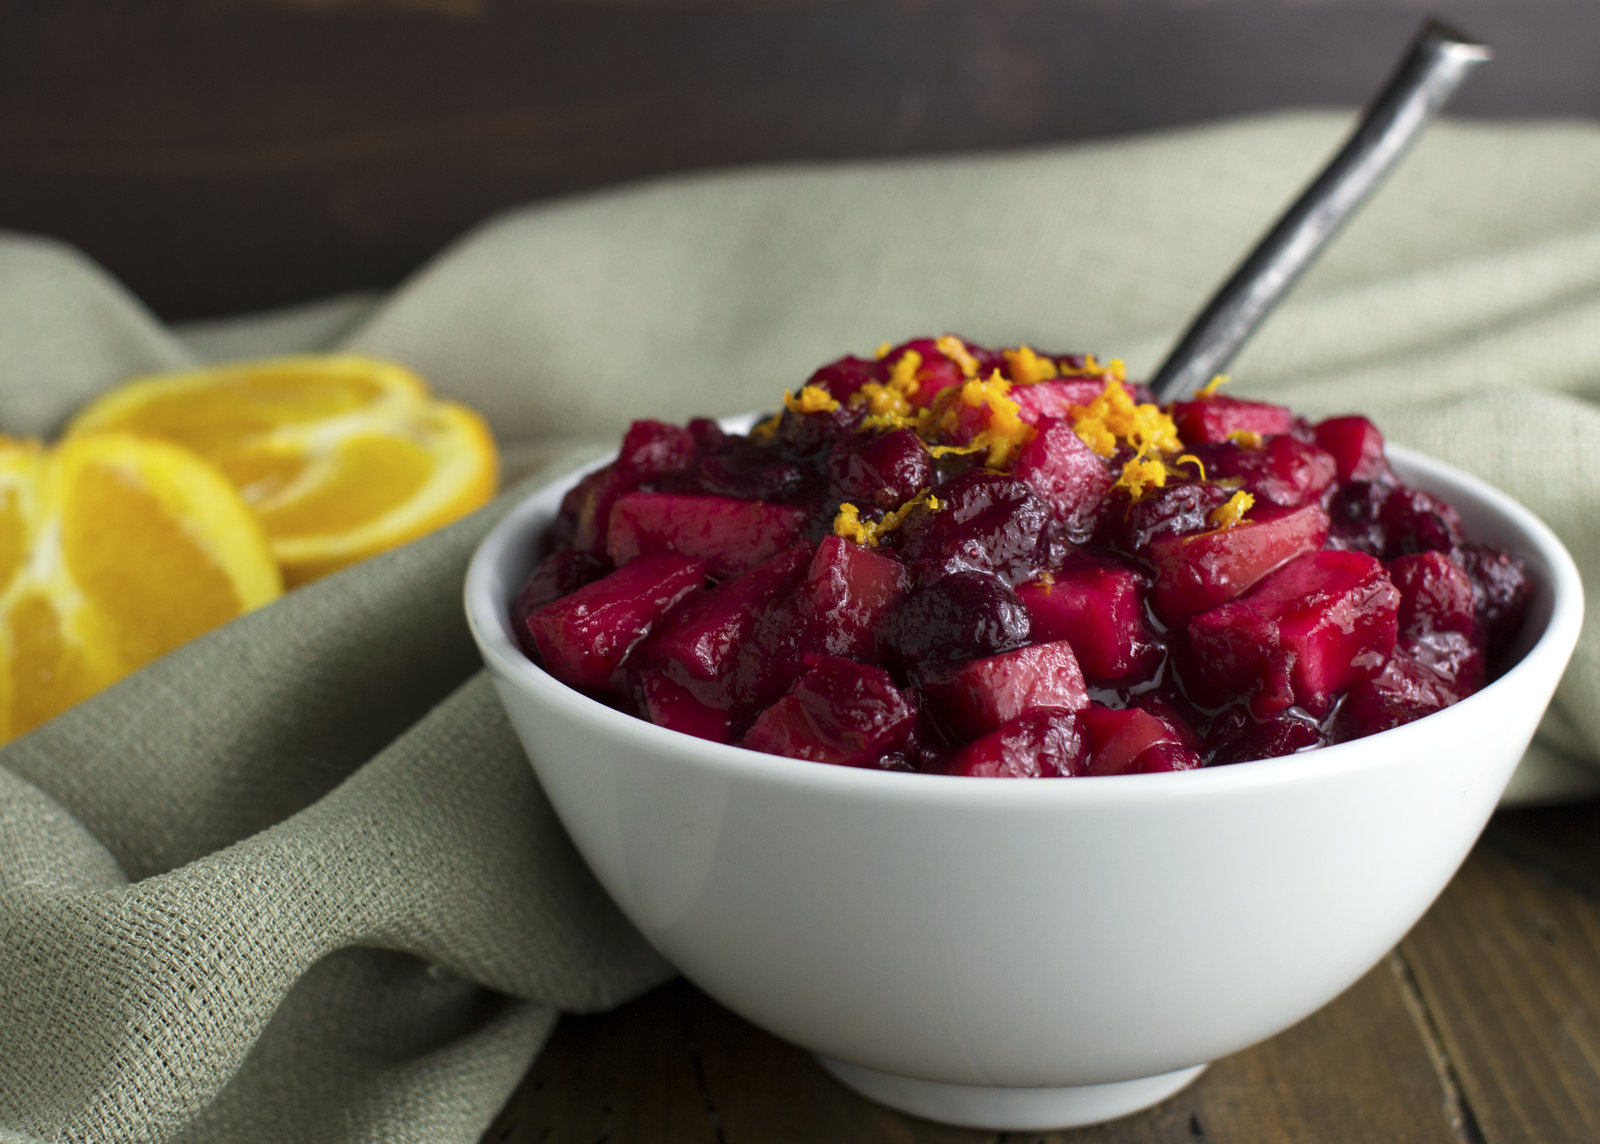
x=295, y=882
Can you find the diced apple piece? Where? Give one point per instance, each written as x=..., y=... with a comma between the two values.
x=854, y=588
x=1308, y=632
x=1040, y=744
x=731, y=536
x=1055, y=398
x=980, y=695
x=1284, y=471
x=1096, y=606
x=1356, y=446
x=669, y=704
x=838, y=712
x=583, y=637
x=654, y=449
x=555, y=576
x=1064, y=472
x=586, y=509
x=703, y=635
x=1213, y=418
x=1133, y=741
x=1435, y=594
x=1202, y=570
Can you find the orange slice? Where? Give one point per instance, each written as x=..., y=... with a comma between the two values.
x=342, y=456
x=113, y=550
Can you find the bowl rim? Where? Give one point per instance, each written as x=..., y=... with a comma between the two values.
x=489, y=620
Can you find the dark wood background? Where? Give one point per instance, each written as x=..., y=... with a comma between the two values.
x=223, y=155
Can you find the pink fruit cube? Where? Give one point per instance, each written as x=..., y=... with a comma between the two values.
x=1311, y=630
x=670, y=704
x=1213, y=418
x=837, y=712
x=1096, y=605
x=1435, y=594
x=1133, y=741
x=1204, y=569
x=1040, y=744
x=980, y=695
x=583, y=637
x=1055, y=398
x=852, y=588
x=731, y=536
x=702, y=635
x=1064, y=472
x=1357, y=448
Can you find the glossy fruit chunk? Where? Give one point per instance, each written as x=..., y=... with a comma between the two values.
x=1202, y=570
x=1435, y=594
x=1040, y=744
x=1283, y=471
x=882, y=471
x=668, y=703
x=980, y=695
x=1064, y=473
x=1310, y=630
x=987, y=523
x=852, y=589
x=1055, y=398
x=731, y=536
x=1097, y=606
x=583, y=637
x=965, y=616
x=562, y=572
x=1133, y=741
x=1356, y=447
x=1318, y=625
x=838, y=712
x=1212, y=419
x=702, y=635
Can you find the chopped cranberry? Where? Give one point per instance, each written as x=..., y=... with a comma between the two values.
x=986, y=522
x=1176, y=510
x=1415, y=521
x=965, y=616
x=883, y=471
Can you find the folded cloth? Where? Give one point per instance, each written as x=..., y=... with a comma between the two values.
x=294, y=881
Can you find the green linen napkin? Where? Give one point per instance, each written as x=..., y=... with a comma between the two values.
x=295, y=881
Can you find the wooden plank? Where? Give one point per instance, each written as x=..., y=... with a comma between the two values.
x=622, y=1076
x=677, y=1067
x=224, y=156
x=1508, y=961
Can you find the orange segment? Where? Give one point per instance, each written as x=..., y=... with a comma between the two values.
x=342, y=457
x=131, y=547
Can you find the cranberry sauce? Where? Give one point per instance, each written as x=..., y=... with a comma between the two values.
x=997, y=562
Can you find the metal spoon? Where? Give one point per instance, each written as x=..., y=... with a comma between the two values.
x=1439, y=59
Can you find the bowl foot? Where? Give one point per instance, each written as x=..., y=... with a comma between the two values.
x=1010, y=1109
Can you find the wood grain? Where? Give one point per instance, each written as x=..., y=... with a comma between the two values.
x=222, y=155
x=675, y=1066
x=1508, y=962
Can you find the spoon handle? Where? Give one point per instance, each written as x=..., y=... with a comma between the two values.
x=1439, y=59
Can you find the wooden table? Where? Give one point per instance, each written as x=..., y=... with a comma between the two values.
x=1481, y=1027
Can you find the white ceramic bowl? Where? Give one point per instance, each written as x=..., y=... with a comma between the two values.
x=1028, y=954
